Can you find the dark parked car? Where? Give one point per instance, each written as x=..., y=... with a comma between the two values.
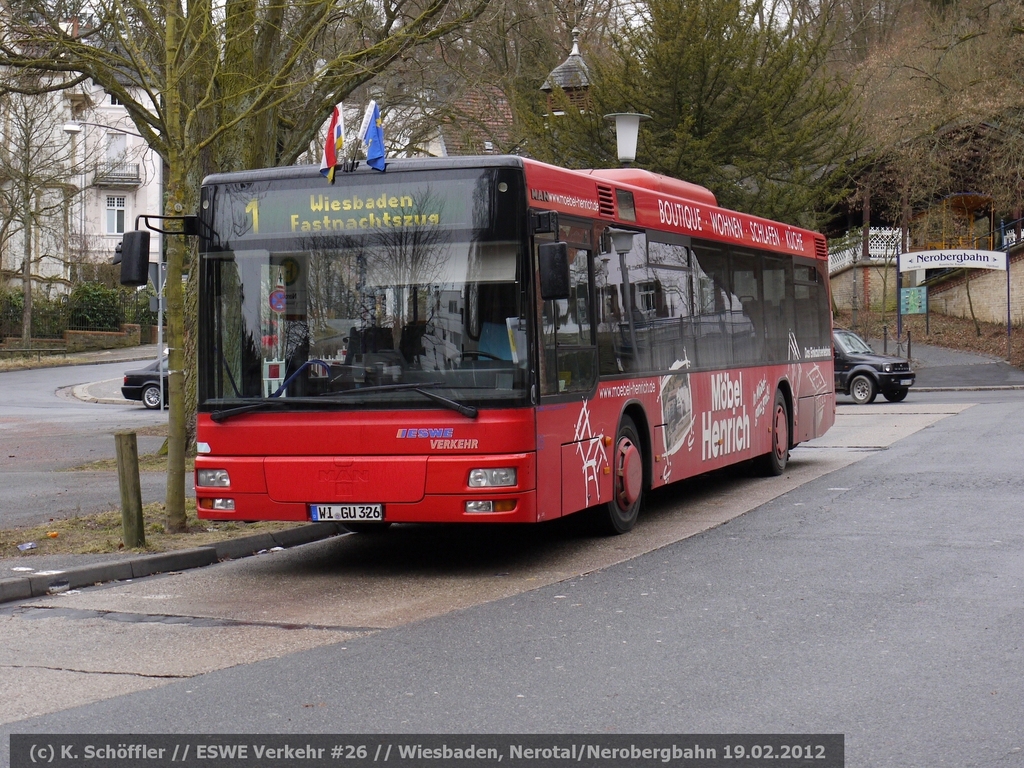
x=144, y=384
x=862, y=374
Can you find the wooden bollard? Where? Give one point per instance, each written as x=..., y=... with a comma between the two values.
x=132, y=529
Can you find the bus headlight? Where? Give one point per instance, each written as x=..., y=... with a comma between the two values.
x=492, y=478
x=497, y=505
x=213, y=478
x=224, y=505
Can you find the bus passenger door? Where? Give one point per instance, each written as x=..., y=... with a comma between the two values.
x=571, y=456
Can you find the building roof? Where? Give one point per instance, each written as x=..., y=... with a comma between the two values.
x=483, y=124
x=571, y=74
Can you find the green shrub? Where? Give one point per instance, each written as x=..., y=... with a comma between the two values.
x=95, y=307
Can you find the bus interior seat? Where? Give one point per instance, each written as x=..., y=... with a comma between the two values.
x=370, y=339
x=497, y=302
x=411, y=343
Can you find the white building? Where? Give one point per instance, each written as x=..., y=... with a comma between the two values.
x=118, y=176
x=92, y=176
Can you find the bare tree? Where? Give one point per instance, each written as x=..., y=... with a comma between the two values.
x=245, y=83
x=34, y=191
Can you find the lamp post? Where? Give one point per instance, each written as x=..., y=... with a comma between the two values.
x=73, y=128
x=622, y=244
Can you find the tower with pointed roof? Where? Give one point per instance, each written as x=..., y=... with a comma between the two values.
x=572, y=76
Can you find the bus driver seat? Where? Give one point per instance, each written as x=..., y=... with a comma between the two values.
x=497, y=302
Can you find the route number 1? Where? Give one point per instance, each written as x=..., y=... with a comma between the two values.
x=254, y=208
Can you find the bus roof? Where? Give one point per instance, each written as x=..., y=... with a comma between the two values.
x=393, y=164
x=637, y=177
x=687, y=208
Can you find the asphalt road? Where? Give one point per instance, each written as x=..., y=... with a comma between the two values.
x=877, y=595
x=874, y=591
x=45, y=429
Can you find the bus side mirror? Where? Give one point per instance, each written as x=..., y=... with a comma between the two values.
x=554, y=271
x=135, y=258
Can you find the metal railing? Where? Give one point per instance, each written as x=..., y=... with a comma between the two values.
x=118, y=173
x=884, y=245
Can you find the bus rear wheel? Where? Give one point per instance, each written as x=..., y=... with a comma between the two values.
x=774, y=462
x=619, y=515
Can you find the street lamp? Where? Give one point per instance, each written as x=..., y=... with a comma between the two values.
x=622, y=243
x=627, y=131
x=73, y=128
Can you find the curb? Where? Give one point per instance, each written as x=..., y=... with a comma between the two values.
x=81, y=392
x=77, y=359
x=38, y=585
x=969, y=388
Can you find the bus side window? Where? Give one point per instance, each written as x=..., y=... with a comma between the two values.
x=778, y=307
x=569, y=356
x=670, y=306
x=627, y=308
x=713, y=326
x=747, y=315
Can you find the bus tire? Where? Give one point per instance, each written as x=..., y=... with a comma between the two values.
x=367, y=527
x=619, y=515
x=774, y=462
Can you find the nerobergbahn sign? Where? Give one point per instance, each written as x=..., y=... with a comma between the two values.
x=953, y=259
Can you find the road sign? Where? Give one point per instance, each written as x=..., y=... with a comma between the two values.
x=914, y=301
x=278, y=300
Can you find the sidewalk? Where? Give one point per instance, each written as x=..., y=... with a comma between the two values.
x=939, y=369
x=53, y=574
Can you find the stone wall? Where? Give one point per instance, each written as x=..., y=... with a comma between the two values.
x=87, y=341
x=872, y=280
x=988, y=294
x=13, y=342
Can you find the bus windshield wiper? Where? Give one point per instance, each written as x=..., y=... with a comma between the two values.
x=466, y=410
x=266, y=402
x=422, y=388
x=227, y=413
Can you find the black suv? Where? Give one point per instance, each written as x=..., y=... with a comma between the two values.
x=862, y=374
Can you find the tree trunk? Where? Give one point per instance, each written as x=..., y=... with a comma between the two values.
x=26, y=277
x=176, y=416
x=174, y=196
x=970, y=304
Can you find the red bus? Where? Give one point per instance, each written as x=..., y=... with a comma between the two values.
x=493, y=339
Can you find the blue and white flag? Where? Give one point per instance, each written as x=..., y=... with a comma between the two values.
x=372, y=134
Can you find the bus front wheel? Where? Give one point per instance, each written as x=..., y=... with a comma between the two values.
x=619, y=515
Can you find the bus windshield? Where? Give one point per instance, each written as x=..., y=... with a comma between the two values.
x=361, y=316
